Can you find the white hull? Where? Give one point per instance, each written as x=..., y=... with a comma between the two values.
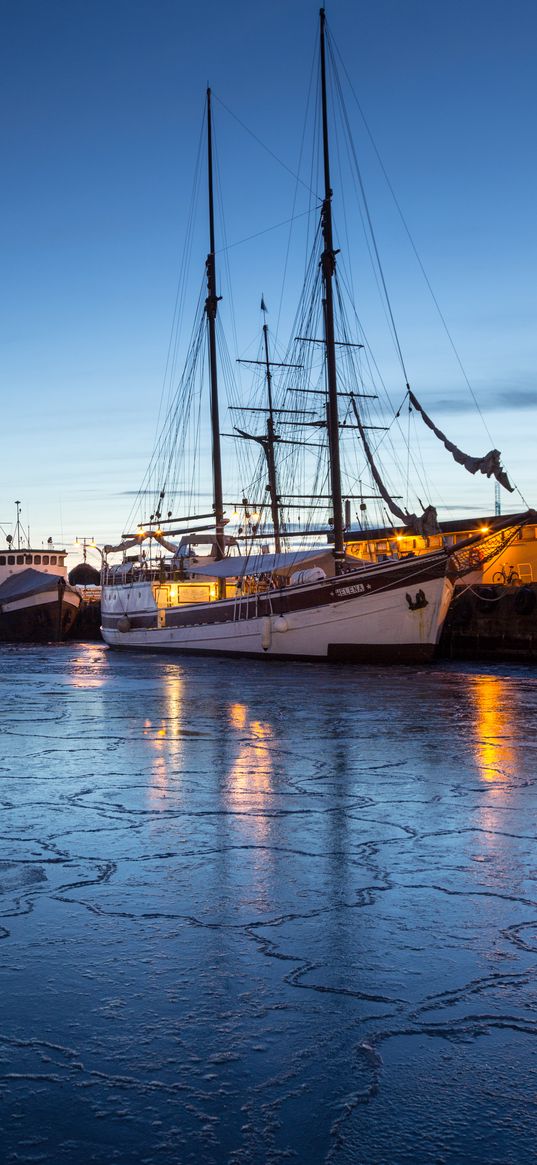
x=369, y=624
x=69, y=599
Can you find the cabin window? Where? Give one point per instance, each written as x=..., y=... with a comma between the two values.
x=382, y=545
x=20, y=559
x=11, y=560
x=2, y=560
x=37, y=559
x=45, y=560
x=28, y=559
x=525, y=572
x=53, y=560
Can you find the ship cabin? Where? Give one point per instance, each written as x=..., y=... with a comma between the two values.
x=189, y=577
x=47, y=561
x=517, y=565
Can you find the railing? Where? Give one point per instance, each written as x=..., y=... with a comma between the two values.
x=484, y=549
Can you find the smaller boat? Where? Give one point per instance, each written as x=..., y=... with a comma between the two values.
x=37, y=604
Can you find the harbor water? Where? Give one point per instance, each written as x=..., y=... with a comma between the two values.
x=255, y=913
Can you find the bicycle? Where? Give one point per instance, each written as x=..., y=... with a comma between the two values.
x=507, y=577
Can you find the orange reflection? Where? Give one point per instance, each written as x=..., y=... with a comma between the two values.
x=87, y=669
x=166, y=742
x=251, y=775
x=493, y=699
x=238, y=714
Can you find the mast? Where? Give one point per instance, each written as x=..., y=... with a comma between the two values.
x=18, y=526
x=211, y=305
x=269, y=450
x=328, y=266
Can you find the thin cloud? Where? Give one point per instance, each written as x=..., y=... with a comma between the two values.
x=496, y=400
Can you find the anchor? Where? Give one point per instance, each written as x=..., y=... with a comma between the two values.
x=420, y=601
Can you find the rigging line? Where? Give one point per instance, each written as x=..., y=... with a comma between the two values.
x=338, y=155
x=371, y=361
x=369, y=355
x=313, y=74
x=159, y=442
x=266, y=230
x=180, y=291
x=343, y=265
x=357, y=375
x=409, y=415
x=414, y=248
x=227, y=269
x=264, y=147
x=368, y=215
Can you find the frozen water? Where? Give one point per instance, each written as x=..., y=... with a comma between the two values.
x=260, y=914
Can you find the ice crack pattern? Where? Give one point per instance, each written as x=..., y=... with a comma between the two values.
x=256, y=915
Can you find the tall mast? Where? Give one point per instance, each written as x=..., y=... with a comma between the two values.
x=269, y=450
x=211, y=305
x=18, y=526
x=328, y=266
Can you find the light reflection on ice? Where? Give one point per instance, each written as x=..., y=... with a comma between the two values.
x=85, y=668
x=495, y=701
x=166, y=741
x=250, y=776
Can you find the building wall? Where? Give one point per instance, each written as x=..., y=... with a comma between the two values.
x=520, y=556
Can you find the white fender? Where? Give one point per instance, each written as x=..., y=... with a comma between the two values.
x=280, y=624
x=266, y=634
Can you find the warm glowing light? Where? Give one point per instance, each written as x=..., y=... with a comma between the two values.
x=494, y=751
x=251, y=775
x=484, y=529
x=238, y=714
x=159, y=531
x=165, y=746
x=140, y=532
x=87, y=669
x=255, y=517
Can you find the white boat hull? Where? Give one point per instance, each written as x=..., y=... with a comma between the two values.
x=367, y=616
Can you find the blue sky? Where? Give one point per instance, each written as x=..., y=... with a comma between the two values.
x=100, y=116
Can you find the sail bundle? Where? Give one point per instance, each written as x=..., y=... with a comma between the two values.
x=424, y=524
x=490, y=464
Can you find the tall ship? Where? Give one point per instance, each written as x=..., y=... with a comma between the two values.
x=241, y=578
x=37, y=603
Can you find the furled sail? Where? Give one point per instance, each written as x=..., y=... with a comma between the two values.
x=127, y=544
x=422, y=524
x=489, y=464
